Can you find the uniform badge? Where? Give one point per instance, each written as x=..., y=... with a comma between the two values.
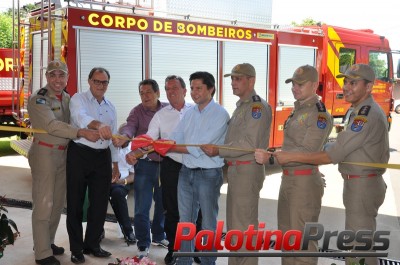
x=256, y=111
x=364, y=110
x=320, y=106
x=42, y=92
x=41, y=101
x=358, y=123
x=321, y=122
x=256, y=98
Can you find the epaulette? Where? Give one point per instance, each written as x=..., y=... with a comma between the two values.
x=256, y=98
x=320, y=106
x=42, y=92
x=364, y=110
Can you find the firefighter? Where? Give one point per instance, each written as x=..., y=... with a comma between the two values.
x=302, y=187
x=365, y=139
x=248, y=128
x=48, y=110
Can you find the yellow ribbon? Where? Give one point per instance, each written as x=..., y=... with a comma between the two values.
x=20, y=129
x=31, y=130
x=377, y=165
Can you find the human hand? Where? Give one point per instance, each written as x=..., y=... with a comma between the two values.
x=282, y=157
x=88, y=134
x=262, y=156
x=119, y=140
x=133, y=156
x=210, y=149
x=105, y=131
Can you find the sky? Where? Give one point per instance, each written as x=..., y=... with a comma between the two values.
x=382, y=16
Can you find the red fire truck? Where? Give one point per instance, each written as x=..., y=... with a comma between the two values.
x=9, y=94
x=134, y=46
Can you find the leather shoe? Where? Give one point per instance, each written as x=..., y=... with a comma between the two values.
x=57, y=250
x=77, y=257
x=197, y=260
x=169, y=259
x=48, y=261
x=131, y=238
x=97, y=252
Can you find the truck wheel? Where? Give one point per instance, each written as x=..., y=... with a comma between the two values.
x=397, y=109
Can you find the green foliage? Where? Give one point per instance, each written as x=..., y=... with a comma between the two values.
x=7, y=228
x=5, y=31
x=306, y=22
x=6, y=24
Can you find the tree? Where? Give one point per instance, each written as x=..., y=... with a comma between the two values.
x=306, y=22
x=5, y=31
x=6, y=24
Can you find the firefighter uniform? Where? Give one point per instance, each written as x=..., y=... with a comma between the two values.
x=248, y=128
x=365, y=139
x=306, y=130
x=47, y=159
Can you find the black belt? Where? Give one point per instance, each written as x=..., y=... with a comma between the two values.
x=167, y=159
x=149, y=160
x=88, y=148
x=200, y=168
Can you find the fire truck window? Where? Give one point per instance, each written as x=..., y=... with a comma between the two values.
x=398, y=68
x=346, y=59
x=290, y=58
x=379, y=61
x=239, y=52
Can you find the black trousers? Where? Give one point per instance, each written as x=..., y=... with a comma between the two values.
x=169, y=176
x=90, y=169
x=119, y=204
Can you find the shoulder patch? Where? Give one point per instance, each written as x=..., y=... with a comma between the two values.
x=358, y=123
x=320, y=106
x=256, y=110
x=322, y=121
x=364, y=110
x=42, y=91
x=41, y=101
x=256, y=98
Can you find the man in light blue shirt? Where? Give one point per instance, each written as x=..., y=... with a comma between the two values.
x=200, y=178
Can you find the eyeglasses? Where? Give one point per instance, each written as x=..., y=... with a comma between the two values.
x=99, y=82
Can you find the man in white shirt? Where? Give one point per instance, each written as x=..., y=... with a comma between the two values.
x=161, y=126
x=89, y=166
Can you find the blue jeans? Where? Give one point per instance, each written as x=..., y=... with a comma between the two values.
x=147, y=186
x=198, y=189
